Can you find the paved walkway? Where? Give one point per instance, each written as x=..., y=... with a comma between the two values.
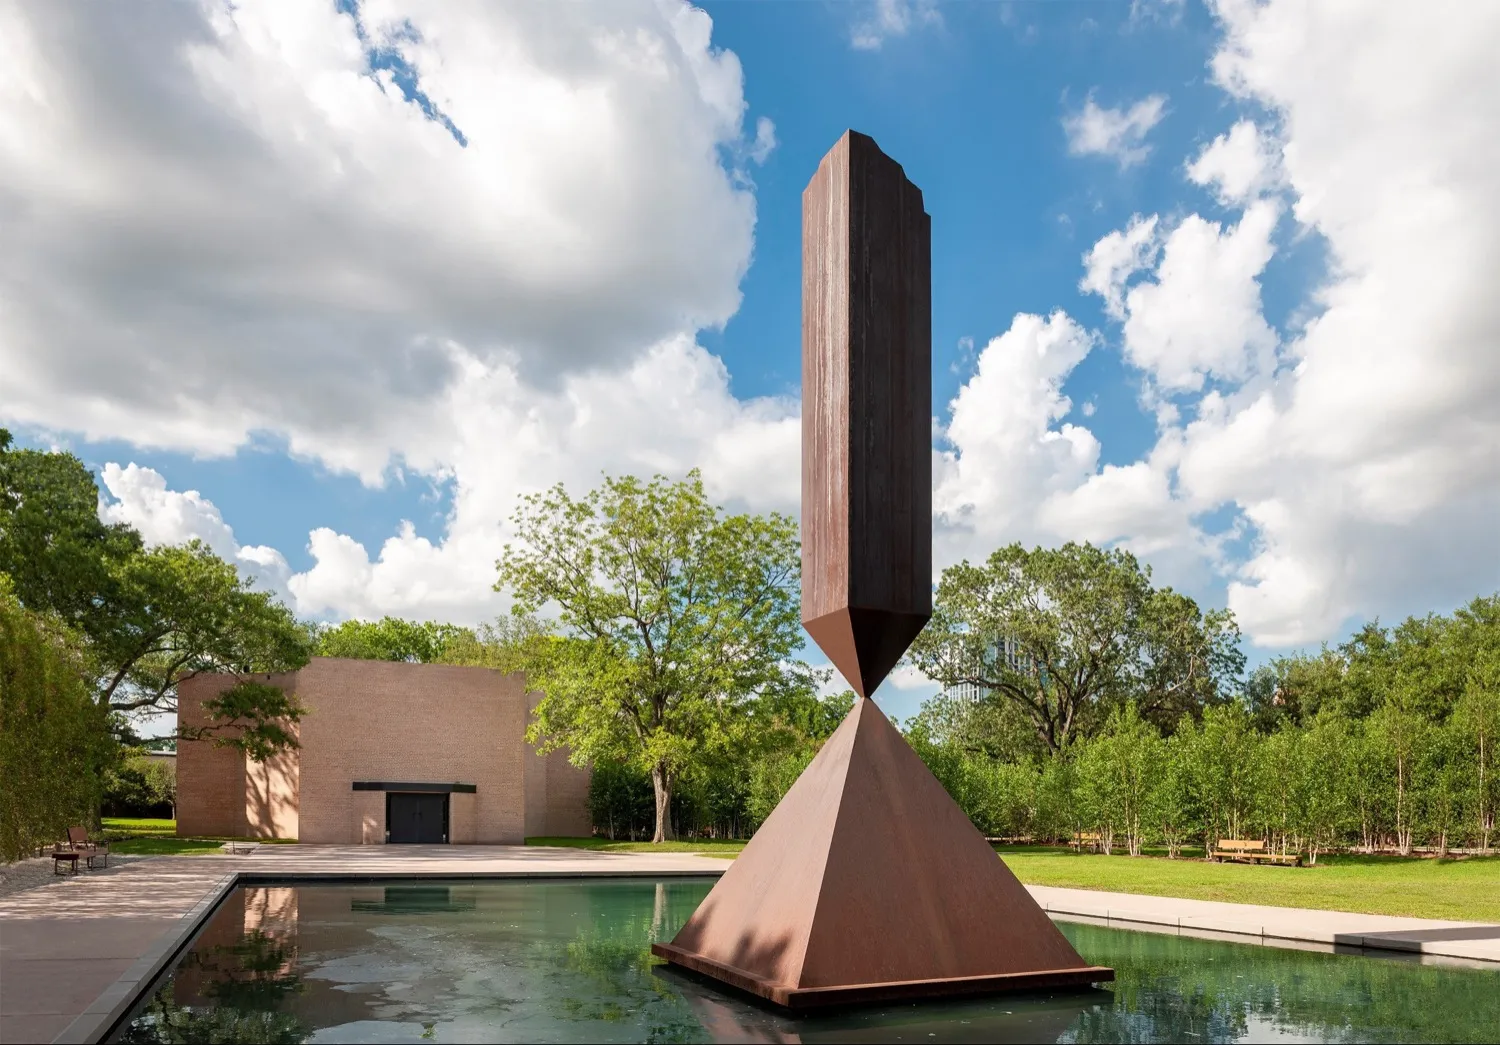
x=72, y=951
x=1473, y=940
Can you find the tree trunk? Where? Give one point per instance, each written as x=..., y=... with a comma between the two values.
x=661, y=783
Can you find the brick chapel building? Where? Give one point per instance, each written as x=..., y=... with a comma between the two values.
x=389, y=752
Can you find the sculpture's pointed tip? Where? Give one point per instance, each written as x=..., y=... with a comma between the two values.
x=865, y=644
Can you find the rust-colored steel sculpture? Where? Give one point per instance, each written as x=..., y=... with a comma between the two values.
x=866, y=411
x=867, y=882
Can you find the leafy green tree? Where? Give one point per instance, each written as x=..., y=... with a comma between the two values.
x=1399, y=735
x=619, y=798
x=1118, y=770
x=61, y=559
x=771, y=778
x=391, y=638
x=1440, y=779
x=55, y=744
x=149, y=619
x=1070, y=633
x=1281, y=793
x=1176, y=810
x=991, y=728
x=1303, y=686
x=675, y=617
x=1475, y=642
x=506, y=644
x=1225, y=756
x=1323, y=777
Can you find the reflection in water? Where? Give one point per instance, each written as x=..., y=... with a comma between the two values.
x=415, y=899
x=570, y=961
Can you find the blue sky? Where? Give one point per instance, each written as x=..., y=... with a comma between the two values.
x=354, y=373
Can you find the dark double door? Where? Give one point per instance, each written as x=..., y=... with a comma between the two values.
x=413, y=817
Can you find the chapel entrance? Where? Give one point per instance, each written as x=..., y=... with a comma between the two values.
x=416, y=818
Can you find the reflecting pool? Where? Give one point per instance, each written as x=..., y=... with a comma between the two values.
x=569, y=961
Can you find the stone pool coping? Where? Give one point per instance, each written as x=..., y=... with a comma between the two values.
x=216, y=876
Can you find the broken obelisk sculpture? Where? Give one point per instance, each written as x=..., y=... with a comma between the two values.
x=868, y=882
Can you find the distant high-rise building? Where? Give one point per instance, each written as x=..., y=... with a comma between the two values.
x=1008, y=651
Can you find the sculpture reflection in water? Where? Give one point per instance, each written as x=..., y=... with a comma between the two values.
x=570, y=961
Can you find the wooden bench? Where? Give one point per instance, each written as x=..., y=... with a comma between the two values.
x=1251, y=851
x=1088, y=839
x=65, y=856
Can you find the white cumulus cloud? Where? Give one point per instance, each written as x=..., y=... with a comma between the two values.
x=1238, y=165
x=1117, y=133
x=885, y=19
x=224, y=217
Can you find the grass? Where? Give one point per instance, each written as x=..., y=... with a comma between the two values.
x=138, y=837
x=706, y=846
x=1461, y=890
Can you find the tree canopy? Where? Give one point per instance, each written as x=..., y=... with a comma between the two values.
x=54, y=741
x=391, y=638
x=147, y=618
x=1069, y=634
x=674, y=616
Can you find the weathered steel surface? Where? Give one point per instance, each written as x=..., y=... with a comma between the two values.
x=869, y=883
x=866, y=411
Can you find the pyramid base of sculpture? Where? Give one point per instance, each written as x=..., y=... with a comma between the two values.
x=867, y=883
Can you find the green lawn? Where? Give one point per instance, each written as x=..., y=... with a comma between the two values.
x=1462, y=890
x=706, y=846
x=135, y=837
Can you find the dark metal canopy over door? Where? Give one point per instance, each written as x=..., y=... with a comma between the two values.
x=416, y=817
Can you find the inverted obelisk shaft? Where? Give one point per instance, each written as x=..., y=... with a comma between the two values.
x=866, y=411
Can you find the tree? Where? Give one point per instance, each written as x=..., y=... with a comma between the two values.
x=1070, y=633
x=1175, y=806
x=392, y=638
x=507, y=644
x=1225, y=755
x=1476, y=643
x=147, y=619
x=675, y=615
x=1323, y=779
x=55, y=743
x=61, y=559
x=184, y=612
x=1117, y=771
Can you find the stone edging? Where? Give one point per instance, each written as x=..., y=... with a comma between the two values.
x=117, y=999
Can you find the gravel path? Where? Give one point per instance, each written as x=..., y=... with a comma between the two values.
x=29, y=874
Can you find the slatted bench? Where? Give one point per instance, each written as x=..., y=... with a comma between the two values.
x=1251, y=851
x=1088, y=840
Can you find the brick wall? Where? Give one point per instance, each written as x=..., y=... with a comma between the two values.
x=567, y=798
x=430, y=723
x=381, y=721
x=210, y=779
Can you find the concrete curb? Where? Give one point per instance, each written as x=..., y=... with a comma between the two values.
x=111, y=1006
x=1458, y=942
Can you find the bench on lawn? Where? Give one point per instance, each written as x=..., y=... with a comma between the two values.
x=1088, y=839
x=1252, y=851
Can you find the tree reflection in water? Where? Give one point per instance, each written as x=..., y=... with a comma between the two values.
x=570, y=961
x=242, y=993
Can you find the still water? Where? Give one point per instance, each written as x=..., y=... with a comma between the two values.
x=568, y=961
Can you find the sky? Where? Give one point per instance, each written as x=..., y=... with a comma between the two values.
x=330, y=285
